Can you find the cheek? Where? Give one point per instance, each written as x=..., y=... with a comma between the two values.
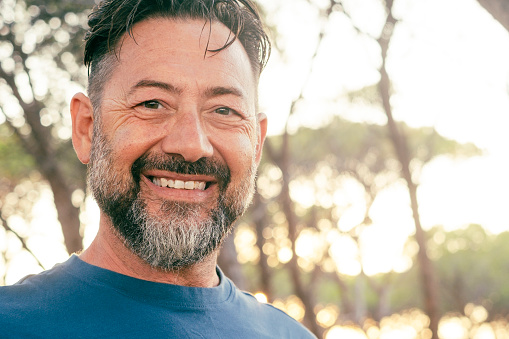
x=134, y=142
x=238, y=152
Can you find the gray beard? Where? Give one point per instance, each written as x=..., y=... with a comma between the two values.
x=179, y=234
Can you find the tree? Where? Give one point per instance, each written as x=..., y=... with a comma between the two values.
x=499, y=9
x=43, y=41
x=339, y=151
x=471, y=269
x=404, y=151
x=281, y=258
x=429, y=283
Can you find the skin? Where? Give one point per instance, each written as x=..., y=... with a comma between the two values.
x=165, y=97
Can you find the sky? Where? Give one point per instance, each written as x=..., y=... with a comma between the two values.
x=450, y=70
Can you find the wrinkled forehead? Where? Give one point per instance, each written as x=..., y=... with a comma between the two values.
x=184, y=53
x=187, y=47
x=210, y=37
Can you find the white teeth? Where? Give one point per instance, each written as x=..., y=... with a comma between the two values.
x=179, y=184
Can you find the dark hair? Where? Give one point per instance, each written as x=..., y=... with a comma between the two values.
x=111, y=19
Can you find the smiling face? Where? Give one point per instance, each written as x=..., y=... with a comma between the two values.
x=174, y=154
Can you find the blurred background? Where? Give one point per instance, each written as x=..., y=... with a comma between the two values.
x=382, y=195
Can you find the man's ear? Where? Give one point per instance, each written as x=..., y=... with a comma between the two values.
x=82, y=126
x=262, y=133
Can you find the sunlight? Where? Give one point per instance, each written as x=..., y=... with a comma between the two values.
x=303, y=192
x=261, y=297
x=382, y=250
x=89, y=217
x=485, y=331
x=351, y=217
x=476, y=313
x=336, y=232
x=284, y=255
x=412, y=324
x=309, y=245
x=407, y=324
x=267, y=185
x=292, y=306
x=245, y=241
x=327, y=316
x=454, y=328
x=341, y=332
x=344, y=251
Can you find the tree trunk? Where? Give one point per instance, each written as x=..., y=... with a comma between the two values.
x=383, y=308
x=499, y=9
x=259, y=213
x=304, y=294
x=428, y=278
x=229, y=264
x=39, y=145
x=68, y=214
x=360, y=299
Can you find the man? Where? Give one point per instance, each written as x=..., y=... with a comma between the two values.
x=172, y=140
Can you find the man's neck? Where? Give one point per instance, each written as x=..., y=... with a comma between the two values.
x=109, y=252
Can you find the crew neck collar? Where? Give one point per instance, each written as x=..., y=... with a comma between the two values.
x=164, y=294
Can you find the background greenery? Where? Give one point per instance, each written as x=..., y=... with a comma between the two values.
x=287, y=251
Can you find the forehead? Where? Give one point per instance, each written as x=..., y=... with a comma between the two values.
x=182, y=50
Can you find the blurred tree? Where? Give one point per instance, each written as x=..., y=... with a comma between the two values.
x=471, y=267
x=41, y=43
x=366, y=163
x=428, y=276
x=464, y=262
x=499, y=9
x=297, y=248
x=325, y=159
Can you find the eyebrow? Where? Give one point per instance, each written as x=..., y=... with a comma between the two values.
x=220, y=90
x=209, y=92
x=157, y=84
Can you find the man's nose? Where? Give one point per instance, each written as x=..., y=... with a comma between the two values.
x=187, y=138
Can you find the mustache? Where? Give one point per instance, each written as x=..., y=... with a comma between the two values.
x=177, y=164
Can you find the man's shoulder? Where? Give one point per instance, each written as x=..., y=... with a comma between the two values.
x=34, y=288
x=32, y=299
x=272, y=318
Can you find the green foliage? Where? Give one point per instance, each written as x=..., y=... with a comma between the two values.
x=345, y=145
x=15, y=164
x=425, y=143
x=71, y=166
x=369, y=95
x=50, y=56
x=406, y=291
x=40, y=66
x=472, y=267
x=329, y=292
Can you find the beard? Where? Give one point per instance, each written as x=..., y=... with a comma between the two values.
x=178, y=234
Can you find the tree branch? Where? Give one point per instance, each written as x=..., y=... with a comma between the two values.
x=499, y=9
x=21, y=239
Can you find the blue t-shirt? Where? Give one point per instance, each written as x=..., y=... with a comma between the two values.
x=78, y=300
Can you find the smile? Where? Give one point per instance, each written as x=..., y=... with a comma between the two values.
x=179, y=184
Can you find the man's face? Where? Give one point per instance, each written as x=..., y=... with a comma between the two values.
x=174, y=156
